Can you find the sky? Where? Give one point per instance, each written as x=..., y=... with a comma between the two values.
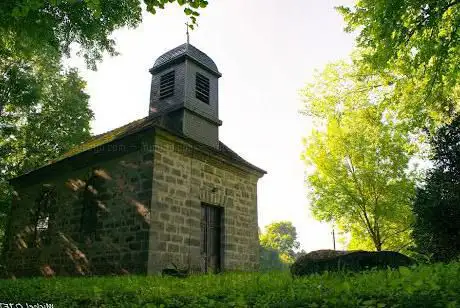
x=266, y=52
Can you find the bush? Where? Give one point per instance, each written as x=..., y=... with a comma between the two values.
x=425, y=286
x=270, y=260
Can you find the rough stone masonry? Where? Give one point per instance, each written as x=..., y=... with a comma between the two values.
x=184, y=178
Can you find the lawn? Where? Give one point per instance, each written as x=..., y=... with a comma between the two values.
x=424, y=286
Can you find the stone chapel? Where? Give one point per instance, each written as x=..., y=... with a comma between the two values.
x=159, y=191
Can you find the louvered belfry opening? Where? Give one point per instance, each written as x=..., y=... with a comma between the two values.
x=202, y=88
x=167, y=85
x=211, y=233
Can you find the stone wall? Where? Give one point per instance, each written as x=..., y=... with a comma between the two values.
x=184, y=178
x=110, y=237
x=132, y=206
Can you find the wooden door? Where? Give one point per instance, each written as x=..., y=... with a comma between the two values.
x=211, y=217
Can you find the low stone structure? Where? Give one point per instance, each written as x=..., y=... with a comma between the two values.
x=332, y=261
x=158, y=191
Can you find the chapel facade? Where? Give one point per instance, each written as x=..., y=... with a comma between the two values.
x=159, y=191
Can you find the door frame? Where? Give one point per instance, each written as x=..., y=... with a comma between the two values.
x=222, y=236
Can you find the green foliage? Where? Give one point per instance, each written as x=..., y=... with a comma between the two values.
x=436, y=207
x=425, y=286
x=33, y=27
x=358, y=158
x=45, y=113
x=282, y=237
x=270, y=259
x=415, y=44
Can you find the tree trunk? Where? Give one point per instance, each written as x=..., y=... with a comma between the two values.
x=378, y=239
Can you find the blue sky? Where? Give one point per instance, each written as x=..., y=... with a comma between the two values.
x=266, y=52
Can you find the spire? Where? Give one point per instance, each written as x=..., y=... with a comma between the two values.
x=187, y=33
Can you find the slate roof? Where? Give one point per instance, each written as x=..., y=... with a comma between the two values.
x=185, y=50
x=138, y=126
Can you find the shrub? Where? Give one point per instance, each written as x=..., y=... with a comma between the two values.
x=270, y=259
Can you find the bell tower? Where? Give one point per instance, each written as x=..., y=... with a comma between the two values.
x=185, y=89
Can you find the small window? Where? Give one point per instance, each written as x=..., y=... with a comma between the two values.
x=167, y=85
x=202, y=88
x=44, y=204
x=42, y=223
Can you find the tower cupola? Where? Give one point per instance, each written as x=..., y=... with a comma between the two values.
x=185, y=86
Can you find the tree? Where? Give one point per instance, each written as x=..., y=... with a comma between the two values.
x=270, y=259
x=299, y=253
x=436, y=206
x=44, y=27
x=358, y=159
x=45, y=115
x=282, y=237
x=416, y=45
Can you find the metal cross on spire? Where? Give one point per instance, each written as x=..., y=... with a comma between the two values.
x=188, y=35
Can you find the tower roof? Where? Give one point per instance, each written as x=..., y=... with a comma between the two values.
x=185, y=51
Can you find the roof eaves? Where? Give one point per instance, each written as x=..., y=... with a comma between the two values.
x=177, y=59
x=93, y=143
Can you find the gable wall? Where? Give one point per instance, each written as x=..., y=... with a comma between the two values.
x=183, y=178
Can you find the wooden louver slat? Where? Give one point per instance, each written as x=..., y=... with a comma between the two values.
x=167, y=85
x=202, y=88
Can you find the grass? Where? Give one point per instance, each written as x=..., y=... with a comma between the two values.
x=424, y=286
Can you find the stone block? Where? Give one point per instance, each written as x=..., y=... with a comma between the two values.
x=170, y=179
x=172, y=228
x=195, y=242
x=208, y=169
x=176, y=172
x=172, y=247
x=168, y=161
x=181, y=193
x=178, y=219
x=164, y=237
x=161, y=246
x=177, y=238
x=164, y=216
